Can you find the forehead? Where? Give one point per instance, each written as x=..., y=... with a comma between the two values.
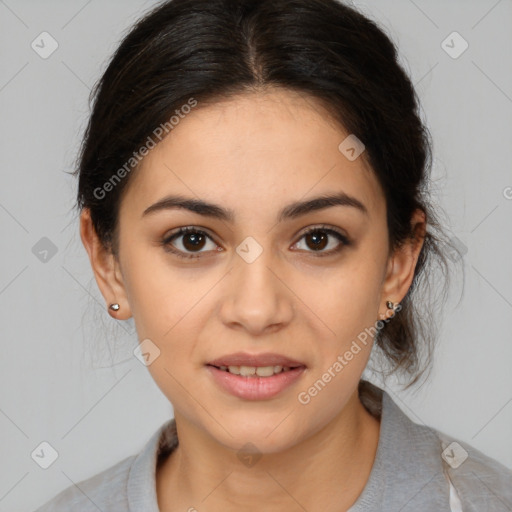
x=254, y=150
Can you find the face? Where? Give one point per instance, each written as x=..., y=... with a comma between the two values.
x=256, y=273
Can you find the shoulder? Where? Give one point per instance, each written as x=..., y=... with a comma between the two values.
x=105, y=491
x=428, y=460
x=481, y=482
x=127, y=485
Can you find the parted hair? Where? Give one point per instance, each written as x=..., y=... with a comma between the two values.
x=213, y=50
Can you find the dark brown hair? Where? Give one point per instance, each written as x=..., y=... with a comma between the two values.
x=211, y=50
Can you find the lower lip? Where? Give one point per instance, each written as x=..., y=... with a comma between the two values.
x=254, y=387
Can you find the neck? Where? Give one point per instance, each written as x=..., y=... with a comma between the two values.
x=326, y=471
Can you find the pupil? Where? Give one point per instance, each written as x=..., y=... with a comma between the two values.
x=195, y=240
x=319, y=240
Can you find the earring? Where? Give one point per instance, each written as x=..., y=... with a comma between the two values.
x=114, y=307
x=390, y=305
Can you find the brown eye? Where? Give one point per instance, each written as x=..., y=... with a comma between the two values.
x=187, y=241
x=318, y=238
x=193, y=241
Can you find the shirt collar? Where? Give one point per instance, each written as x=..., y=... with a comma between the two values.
x=407, y=471
x=141, y=491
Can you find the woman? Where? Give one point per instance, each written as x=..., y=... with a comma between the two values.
x=253, y=190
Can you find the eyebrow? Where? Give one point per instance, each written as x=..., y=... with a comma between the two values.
x=291, y=211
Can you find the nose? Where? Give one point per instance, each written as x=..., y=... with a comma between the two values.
x=257, y=297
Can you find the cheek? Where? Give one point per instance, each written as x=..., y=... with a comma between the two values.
x=168, y=307
x=347, y=301
x=159, y=294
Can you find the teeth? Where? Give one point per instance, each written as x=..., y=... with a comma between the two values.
x=265, y=371
x=260, y=371
x=245, y=371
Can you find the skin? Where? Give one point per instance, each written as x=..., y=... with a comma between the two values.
x=255, y=154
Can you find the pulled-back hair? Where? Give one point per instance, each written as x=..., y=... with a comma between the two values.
x=212, y=50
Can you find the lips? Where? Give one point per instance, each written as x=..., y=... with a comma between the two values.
x=265, y=359
x=254, y=387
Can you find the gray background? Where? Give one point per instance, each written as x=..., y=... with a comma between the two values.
x=69, y=376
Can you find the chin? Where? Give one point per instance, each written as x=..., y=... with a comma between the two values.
x=261, y=434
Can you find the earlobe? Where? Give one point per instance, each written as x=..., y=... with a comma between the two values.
x=105, y=268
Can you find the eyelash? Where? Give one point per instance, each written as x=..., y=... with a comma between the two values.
x=166, y=242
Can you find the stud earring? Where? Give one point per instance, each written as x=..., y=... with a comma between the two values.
x=390, y=305
x=114, y=307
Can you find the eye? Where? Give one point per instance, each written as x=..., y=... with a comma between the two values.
x=317, y=238
x=192, y=241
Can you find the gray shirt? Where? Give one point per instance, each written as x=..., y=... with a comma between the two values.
x=416, y=469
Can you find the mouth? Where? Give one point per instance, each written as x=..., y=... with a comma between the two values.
x=255, y=377
x=260, y=365
x=255, y=371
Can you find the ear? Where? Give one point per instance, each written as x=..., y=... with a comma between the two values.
x=105, y=267
x=402, y=264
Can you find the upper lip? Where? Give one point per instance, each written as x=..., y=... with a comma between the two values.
x=245, y=359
